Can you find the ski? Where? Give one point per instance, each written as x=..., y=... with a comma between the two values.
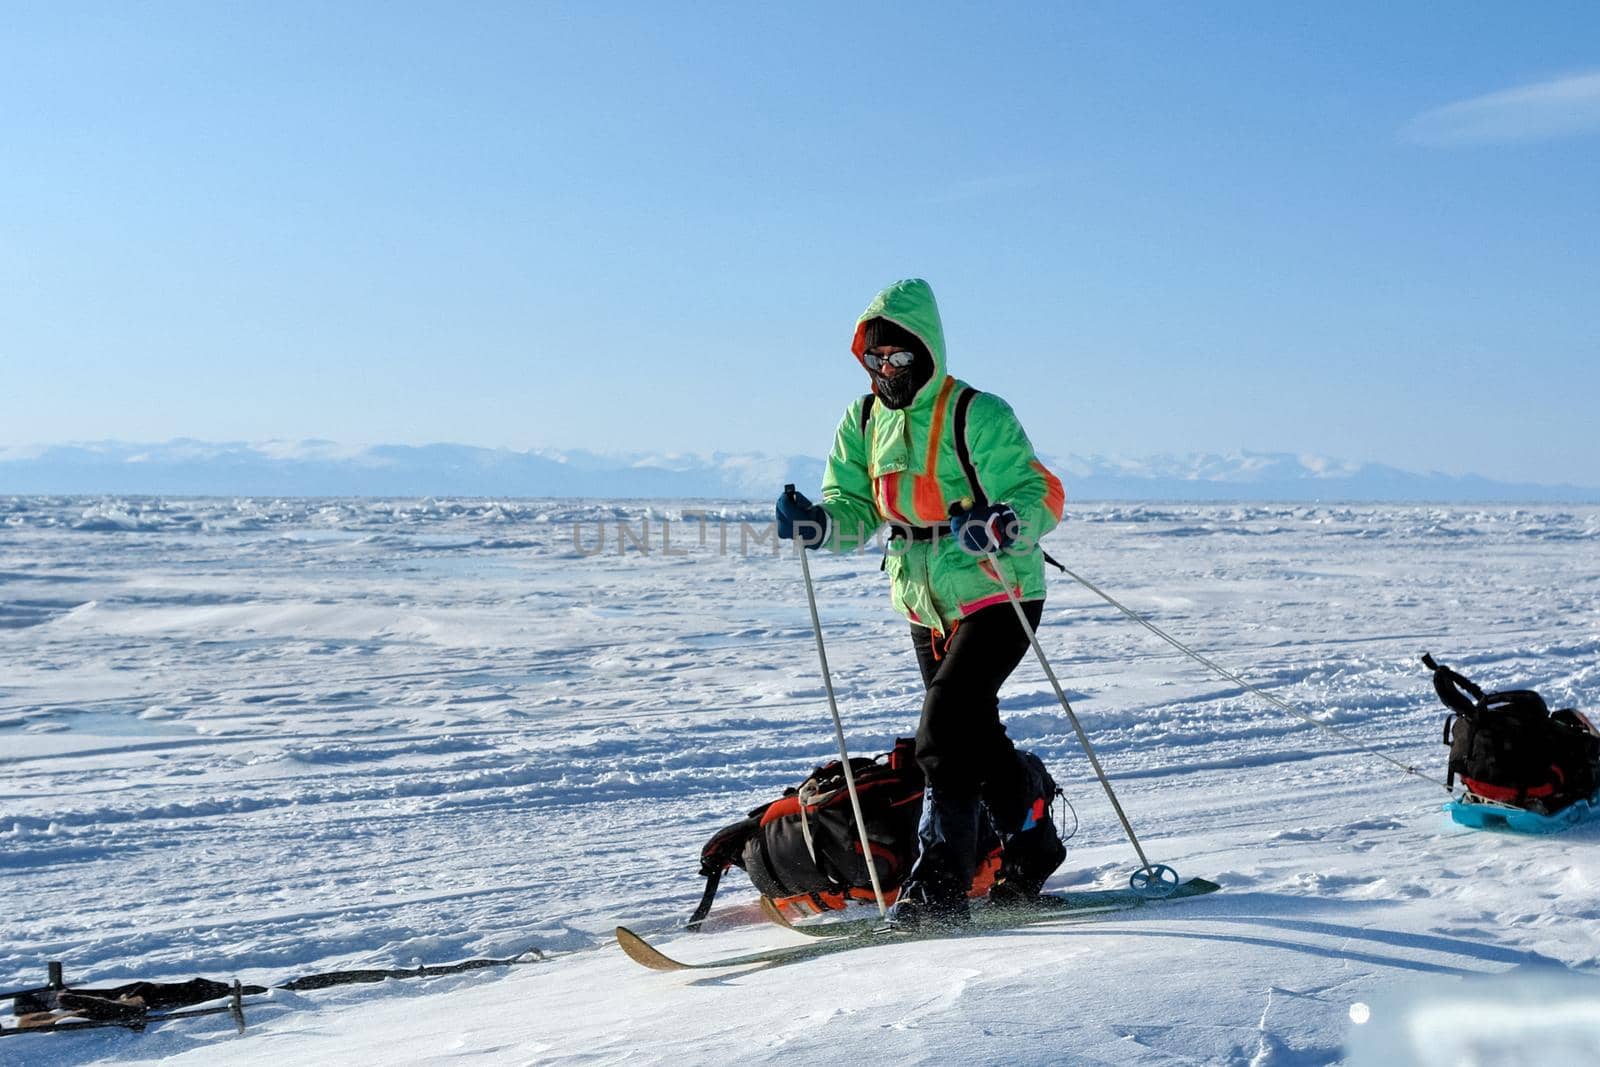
x=1074, y=907
x=645, y=954
x=1050, y=907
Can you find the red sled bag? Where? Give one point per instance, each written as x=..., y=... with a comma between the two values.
x=1510, y=748
x=803, y=852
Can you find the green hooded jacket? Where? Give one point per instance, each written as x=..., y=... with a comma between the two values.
x=904, y=468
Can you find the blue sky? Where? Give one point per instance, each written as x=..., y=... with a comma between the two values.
x=1369, y=231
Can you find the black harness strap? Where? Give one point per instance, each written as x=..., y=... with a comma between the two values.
x=1457, y=692
x=963, y=453
x=725, y=848
x=1464, y=699
x=704, y=907
x=899, y=531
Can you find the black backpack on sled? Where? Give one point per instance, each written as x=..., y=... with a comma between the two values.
x=802, y=850
x=1510, y=748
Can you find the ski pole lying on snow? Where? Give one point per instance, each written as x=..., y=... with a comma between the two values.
x=838, y=728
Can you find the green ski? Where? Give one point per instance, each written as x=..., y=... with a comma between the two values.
x=863, y=933
x=1051, y=907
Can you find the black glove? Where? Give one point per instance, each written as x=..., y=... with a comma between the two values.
x=801, y=520
x=989, y=528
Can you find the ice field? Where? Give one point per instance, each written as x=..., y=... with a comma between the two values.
x=258, y=738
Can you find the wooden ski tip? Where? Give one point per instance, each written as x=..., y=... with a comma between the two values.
x=774, y=914
x=640, y=951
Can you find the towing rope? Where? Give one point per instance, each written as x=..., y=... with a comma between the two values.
x=1234, y=678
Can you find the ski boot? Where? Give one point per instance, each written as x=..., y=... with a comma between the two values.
x=1032, y=849
x=935, y=892
x=930, y=905
x=1027, y=861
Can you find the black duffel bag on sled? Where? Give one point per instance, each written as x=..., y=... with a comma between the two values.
x=802, y=850
x=1508, y=747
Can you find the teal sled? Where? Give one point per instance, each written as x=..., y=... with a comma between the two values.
x=1488, y=815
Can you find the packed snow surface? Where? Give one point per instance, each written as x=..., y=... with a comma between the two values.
x=259, y=739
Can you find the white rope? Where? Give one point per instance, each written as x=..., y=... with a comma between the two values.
x=808, y=790
x=1234, y=678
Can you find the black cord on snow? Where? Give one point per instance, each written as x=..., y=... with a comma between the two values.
x=1067, y=806
x=333, y=978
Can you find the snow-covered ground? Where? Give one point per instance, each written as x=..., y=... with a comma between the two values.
x=258, y=739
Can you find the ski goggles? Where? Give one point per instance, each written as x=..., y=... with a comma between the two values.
x=898, y=360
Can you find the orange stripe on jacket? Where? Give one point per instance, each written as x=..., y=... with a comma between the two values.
x=1055, y=497
x=927, y=497
x=888, y=488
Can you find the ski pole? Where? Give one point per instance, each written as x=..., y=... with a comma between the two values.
x=838, y=727
x=1157, y=879
x=52, y=984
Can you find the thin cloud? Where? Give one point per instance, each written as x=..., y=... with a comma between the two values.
x=1563, y=107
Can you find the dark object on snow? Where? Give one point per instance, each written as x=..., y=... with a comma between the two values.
x=114, y=1001
x=135, y=1005
x=802, y=850
x=333, y=978
x=1508, y=747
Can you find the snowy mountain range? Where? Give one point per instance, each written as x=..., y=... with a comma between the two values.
x=325, y=468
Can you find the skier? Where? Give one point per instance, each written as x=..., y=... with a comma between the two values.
x=952, y=472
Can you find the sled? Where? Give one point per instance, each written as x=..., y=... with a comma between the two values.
x=1481, y=814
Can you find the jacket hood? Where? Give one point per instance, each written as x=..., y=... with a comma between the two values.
x=909, y=304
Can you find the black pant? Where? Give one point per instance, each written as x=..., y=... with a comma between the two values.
x=962, y=746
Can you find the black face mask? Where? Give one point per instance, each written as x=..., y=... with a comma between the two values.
x=898, y=392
